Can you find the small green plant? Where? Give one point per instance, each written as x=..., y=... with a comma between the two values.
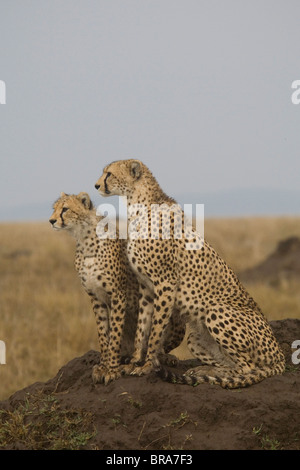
x=117, y=419
x=131, y=400
x=257, y=431
x=134, y=403
x=266, y=442
x=180, y=421
x=188, y=438
x=291, y=368
x=172, y=426
x=269, y=444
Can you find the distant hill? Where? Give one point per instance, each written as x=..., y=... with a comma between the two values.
x=225, y=203
x=281, y=265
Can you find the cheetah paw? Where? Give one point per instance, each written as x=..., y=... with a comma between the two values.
x=168, y=360
x=143, y=370
x=126, y=369
x=102, y=374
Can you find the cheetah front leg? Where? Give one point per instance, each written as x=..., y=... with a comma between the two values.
x=143, y=328
x=164, y=300
x=101, y=312
x=173, y=336
x=109, y=368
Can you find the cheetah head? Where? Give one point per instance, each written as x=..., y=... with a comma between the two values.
x=70, y=210
x=120, y=178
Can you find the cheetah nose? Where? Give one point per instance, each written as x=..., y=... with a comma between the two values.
x=97, y=186
x=52, y=221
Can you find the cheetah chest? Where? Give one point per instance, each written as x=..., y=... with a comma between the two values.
x=90, y=273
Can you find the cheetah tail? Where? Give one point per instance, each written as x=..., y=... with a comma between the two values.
x=170, y=376
x=231, y=379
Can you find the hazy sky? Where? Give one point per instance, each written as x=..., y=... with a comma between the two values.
x=198, y=90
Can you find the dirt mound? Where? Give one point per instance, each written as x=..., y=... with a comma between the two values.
x=140, y=413
x=282, y=265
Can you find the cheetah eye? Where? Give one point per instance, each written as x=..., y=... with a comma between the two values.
x=64, y=209
x=108, y=174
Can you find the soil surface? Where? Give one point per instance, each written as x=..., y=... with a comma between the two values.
x=145, y=413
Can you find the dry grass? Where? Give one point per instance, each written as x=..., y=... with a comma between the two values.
x=46, y=318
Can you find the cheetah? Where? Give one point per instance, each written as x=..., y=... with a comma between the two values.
x=106, y=276
x=228, y=332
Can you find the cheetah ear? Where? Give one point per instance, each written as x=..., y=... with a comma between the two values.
x=135, y=170
x=85, y=200
x=62, y=194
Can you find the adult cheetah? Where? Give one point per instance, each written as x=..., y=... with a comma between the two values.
x=228, y=331
x=105, y=274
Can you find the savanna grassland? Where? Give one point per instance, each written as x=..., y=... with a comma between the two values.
x=46, y=317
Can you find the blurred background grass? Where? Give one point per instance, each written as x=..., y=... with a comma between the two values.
x=46, y=317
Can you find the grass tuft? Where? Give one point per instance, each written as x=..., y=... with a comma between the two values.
x=41, y=424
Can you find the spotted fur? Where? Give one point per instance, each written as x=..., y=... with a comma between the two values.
x=228, y=332
x=105, y=274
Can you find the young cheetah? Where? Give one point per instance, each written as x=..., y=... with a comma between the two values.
x=228, y=332
x=105, y=274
